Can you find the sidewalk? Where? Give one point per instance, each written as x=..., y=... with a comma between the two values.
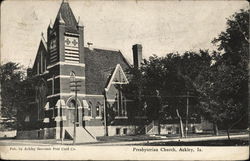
x=193, y=139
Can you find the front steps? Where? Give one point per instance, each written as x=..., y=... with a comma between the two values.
x=82, y=135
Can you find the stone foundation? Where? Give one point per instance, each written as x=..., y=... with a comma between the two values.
x=46, y=133
x=8, y=134
x=121, y=130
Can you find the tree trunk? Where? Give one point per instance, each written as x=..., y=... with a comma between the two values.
x=159, y=127
x=228, y=135
x=181, y=125
x=215, y=128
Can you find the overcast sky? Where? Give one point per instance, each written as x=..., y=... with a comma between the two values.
x=160, y=26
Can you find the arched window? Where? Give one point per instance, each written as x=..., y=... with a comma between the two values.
x=98, y=109
x=72, y=76
x=72, y=104
x=90, y=109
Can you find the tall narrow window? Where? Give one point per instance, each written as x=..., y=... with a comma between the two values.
x=53, y=112
x=145, y=108
x=41, y=62
x=53, y=84
x=72, y=77
x=98, y=109
x=116, y=104
x=124, y=110
x=120, y=104
x=90, y=109
x=37, y=67
x=45, y=63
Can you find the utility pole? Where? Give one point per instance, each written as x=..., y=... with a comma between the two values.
x=74, y=84
x=186, y=127
x=105, y=116
x=61, y=124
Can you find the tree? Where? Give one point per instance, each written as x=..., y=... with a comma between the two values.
x=218, y=80
x=17, y=91
x=11, y=77
x=173, y=76
x=232, y=69
x=223, y=88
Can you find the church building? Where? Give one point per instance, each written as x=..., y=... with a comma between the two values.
x=63, y=66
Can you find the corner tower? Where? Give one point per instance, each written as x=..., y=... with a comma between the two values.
x=66, y=56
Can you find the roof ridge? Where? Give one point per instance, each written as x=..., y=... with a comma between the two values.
x=105, y=48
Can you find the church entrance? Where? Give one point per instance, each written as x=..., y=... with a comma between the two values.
x=72, y=113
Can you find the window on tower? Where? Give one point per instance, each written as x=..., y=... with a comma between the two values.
x=71, y=49
x=53, y=85
x=53, y=50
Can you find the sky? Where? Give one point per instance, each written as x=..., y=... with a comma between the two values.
x=160, y=26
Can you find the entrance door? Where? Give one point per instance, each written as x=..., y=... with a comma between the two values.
x=71, y=113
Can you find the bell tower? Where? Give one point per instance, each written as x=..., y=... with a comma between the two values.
x=66, y=55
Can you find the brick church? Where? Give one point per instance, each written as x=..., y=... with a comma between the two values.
x=100, y=74
x=101, y=106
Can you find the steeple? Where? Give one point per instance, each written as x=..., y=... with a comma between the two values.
x=66, y=16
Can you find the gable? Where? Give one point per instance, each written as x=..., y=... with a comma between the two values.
x=40, y=63
x=118, y=77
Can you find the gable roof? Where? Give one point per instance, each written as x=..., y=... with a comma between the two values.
x=66, y=15
x=100, y=65
x=118, y=77
x=42, y=49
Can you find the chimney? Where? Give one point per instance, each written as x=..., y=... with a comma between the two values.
x=137, y=55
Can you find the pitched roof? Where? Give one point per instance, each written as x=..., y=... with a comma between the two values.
x=100, y=64
x=66, y=16
x=42, y=49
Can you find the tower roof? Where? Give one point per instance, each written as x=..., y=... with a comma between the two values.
x=66, y=16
